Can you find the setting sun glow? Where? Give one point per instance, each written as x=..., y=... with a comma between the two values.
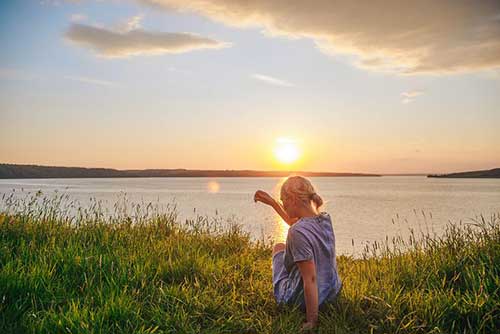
x=286, y=150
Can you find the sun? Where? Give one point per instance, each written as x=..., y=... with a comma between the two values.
x=286, y=150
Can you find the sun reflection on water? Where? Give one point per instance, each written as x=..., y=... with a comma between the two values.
x=281, y=229
x=213, y=186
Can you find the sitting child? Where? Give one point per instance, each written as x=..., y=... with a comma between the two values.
x=305, y=268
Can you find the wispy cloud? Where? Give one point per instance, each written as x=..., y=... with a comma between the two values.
x=412, y=93
x=406, y=37
x=132, y=23
x=91, y=81
x=131, y=40
x=409, y=96
x=271, y=80
x=77, y=17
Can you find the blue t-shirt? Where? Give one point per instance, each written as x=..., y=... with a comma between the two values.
x=312, y=238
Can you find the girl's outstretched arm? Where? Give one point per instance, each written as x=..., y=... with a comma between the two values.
x=262, y=196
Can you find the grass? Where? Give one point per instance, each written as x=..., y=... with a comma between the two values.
x=64, y=269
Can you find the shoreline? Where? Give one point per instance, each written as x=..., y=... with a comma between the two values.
x=14, y=171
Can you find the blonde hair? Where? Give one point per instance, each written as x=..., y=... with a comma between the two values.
x=301, y=188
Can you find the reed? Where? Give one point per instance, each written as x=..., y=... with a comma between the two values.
x=66, y=269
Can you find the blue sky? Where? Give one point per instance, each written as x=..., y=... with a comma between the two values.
x=64, y=102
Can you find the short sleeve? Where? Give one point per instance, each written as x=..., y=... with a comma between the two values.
x=299, y=247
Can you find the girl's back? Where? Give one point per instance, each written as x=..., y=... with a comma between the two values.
x=311, y=238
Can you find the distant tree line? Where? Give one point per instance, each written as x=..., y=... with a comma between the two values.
x=14, y=171
x=491, y=173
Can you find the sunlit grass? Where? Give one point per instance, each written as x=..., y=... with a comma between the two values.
x=64, y=269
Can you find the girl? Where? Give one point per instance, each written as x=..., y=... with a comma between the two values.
x=305, y=268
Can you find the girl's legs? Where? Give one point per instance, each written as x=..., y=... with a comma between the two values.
x=280, y=275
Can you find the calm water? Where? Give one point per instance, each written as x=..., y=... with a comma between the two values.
x=363, y=209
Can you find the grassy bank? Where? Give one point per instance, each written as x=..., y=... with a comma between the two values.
x=143, y=272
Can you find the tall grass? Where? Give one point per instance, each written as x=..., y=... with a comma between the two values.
x=64, y=269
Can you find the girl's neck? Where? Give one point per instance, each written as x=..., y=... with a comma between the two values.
x=307, y=211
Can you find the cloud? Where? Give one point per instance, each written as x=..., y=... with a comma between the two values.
x=406, y=37
x=90, y=81
x=133, y=23
x=410, y=96
x=135, y=41
x=270, y=80
x=78, y=17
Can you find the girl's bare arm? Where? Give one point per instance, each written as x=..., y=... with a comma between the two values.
x=262, y=196
x=308, y=272
x=279, y=209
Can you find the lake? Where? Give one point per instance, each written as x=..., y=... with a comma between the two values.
x=363, y=209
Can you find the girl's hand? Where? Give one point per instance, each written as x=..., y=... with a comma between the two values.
x=307, y=326
x=262, y=196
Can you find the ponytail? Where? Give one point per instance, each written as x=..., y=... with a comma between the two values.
x=317, y=200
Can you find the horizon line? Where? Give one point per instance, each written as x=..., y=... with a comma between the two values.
x=234, y=170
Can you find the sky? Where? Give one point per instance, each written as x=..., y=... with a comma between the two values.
x=379, y=86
